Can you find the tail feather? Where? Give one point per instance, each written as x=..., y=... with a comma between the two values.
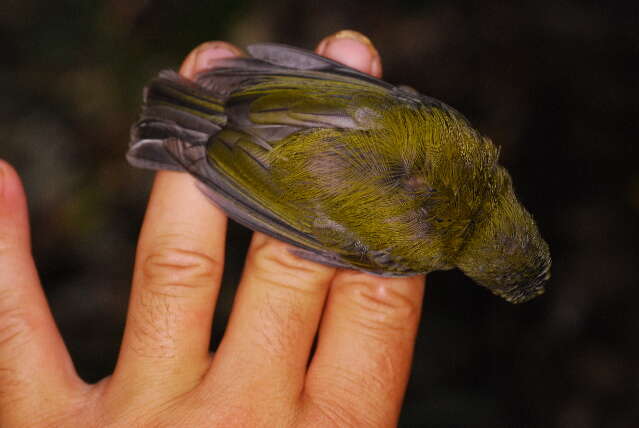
x=174, y=108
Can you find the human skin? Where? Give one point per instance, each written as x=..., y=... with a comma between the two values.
x=263, y=373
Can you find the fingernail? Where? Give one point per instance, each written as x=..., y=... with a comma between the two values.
x=354, y=35
x=209, y=52
x=353, y=49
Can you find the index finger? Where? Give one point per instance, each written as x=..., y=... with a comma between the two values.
x=177, y=273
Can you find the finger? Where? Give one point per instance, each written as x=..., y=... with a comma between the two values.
x=359, y=372
x=271, y=329
x=280, y=298
x=177, y=275
x=34, y=362
x=362, y=362
x=353, y=49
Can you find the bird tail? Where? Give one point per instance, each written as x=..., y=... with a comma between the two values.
x=174, y=111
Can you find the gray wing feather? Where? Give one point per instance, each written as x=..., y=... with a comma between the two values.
x=291, y=57
x=301, y=59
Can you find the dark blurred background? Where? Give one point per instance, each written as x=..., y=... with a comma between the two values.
x=553, y=82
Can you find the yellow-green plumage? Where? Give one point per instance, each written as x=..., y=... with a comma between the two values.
x=353, y=171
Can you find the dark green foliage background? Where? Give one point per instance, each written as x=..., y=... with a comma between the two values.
x=553, y=83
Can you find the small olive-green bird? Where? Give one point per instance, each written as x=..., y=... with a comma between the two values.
x=352, y=171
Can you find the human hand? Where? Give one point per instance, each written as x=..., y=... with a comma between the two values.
x=263, y=372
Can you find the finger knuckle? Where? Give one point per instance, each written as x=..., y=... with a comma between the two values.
x=379, y=305
x=274, y=264
x=171, y=269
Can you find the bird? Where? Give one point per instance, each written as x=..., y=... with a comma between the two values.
x=350, y=170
